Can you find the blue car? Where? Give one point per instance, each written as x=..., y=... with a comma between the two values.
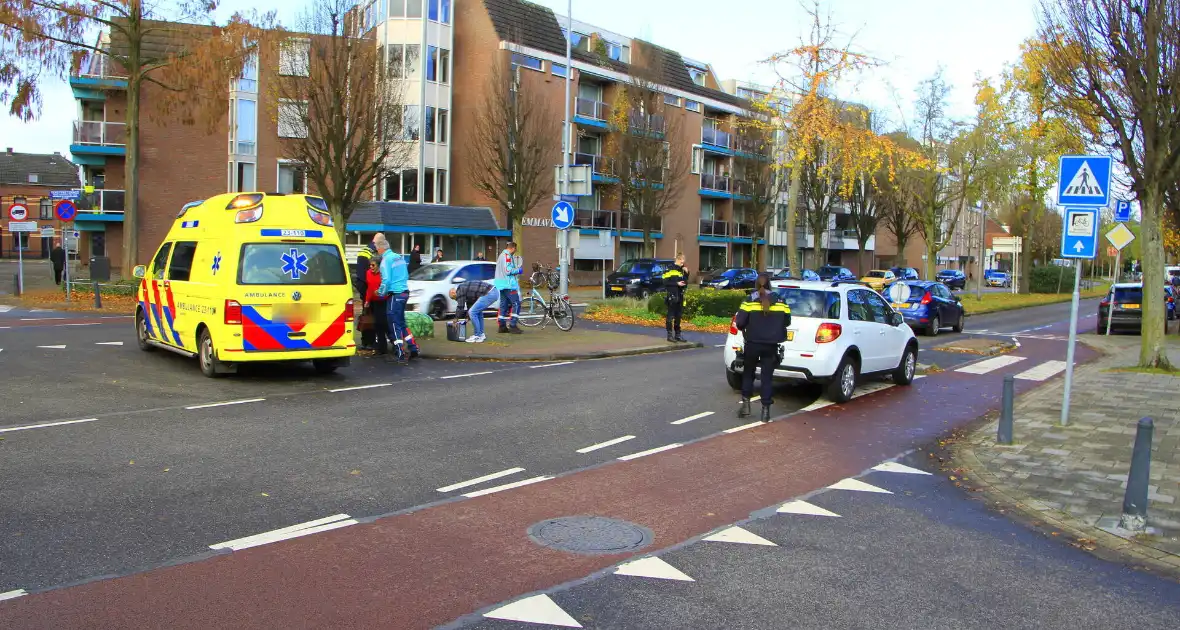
x=926, y=305
x=952, y=278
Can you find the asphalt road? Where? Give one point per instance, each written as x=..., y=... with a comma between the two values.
x=160, y=474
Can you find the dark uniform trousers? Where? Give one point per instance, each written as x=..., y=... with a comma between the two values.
x=764, y=356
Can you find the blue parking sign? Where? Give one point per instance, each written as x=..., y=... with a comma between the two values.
x=1084, y=180
x=1122, y=211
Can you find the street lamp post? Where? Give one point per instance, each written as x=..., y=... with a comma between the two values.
x=563, y=257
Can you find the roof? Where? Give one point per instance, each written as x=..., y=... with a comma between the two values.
x=535, y=26
x=429, y=217
x=53, y=171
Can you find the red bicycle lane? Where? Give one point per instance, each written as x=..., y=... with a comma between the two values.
x=441, y=562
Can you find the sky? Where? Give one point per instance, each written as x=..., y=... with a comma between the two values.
x=913, y=39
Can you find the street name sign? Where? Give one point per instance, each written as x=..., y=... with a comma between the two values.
x=22, y=226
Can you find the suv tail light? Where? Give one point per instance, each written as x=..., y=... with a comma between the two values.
x=233, y=312
x=733, y=326
x=926, y=299
x=350, y=310
x=828, y=332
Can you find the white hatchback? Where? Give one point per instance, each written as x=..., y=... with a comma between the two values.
x=839, y=332
x=430, y=285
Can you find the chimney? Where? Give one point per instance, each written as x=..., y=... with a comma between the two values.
x=9, y=150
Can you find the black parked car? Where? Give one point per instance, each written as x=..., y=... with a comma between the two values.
x=905, y=273
x=637, y=278
x=833, y=273
x=952, y=278
x=927, y=306
x=733, y=278
x=1124, y=307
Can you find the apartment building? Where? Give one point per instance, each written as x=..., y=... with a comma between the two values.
x=26, y=179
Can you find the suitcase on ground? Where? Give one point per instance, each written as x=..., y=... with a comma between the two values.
x=456, y=331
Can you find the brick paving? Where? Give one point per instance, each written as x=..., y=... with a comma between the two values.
x=1076, y=475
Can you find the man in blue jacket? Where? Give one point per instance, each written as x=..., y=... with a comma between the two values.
x=395, y=286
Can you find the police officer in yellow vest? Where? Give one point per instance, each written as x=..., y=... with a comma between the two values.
x=675, y=283
x=763, y=320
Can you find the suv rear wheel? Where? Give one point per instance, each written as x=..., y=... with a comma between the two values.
x=904, y=374
x=734, y=379
x=843, y=383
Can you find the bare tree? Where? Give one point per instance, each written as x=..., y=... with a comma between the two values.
x=1117, y=63
x=338, y=107
x=818, y=188
x=758, y=183
x=515, y=142
x=648, y=171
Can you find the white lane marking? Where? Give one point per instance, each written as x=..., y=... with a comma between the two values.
x=857, y=485
x=294, y=531
x=5, y=309
x=740, y=536
x=359, y=387
x=867, y=389
x=1044, y=371
x=803, y=507
x=108, y=343
x=39, y=319
x=535, y=367
x=918, y=376
x=53, y=347
x=47, y=424
x=894, y=467
x=720, y=345
x=743, y=427
x=691, y=418
x=538, y=609
x=463, y=375
x=479, y=480
x=990, y=365
x=595, y=447
x=86, y=324
x=225, y=404
x=627, y=458
x=507, y=486
x=652, y=568
x=20, y=592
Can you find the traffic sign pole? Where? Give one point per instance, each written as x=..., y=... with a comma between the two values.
x=1118, y=258
x=1073, y=338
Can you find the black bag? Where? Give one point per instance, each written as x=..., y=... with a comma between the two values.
x=456, y=331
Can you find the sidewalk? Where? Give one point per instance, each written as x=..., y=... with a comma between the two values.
x=1074, y=477
x=548, y=344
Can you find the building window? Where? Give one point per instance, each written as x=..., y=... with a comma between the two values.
x=579, y=41
x=708, y=211
x=34, y=178
x=411, y=59
x=397, y=8
x=413, y=8
x=439, y=11
x=246, y=127
x=244, y=182
x=410, y=128
x=441, y=193
x=295, y=58
x=692, y=106
x=393, y=186
x=292, y=178
x=437, y=62
x=526, y=61
x=698, y=159
x=292, y=119
x=410, y=185
x=444, y=66
x=441, y=127
x=248, y=82
x=46, y=208
x=558, y=70
x=428, y=126
x=395, y=61
x=672, y=100
x=616, y=52
x=697, y=74
x=428, y=186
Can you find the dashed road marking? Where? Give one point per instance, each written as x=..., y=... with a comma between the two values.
x=225, y=404
x=652, y=567
x=805, y=508
x=52, y=347
x=538, y=609
x=294, y=531
x=989, y=365
x=549, y=365
x=463, y=375
x=704, y=414
x=47, y=424
x=743, y=427
x=1042, y=372
x=479, y=480
x=40, y=319
x=668, y=447
x=856, y=485
x=108, y=343
x=507, y=486
x=359, y=387
x=20, y=592
x=595, y=447
x=740, y=536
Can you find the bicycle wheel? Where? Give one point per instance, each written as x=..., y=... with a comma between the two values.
x=563, y=315
x=532, y=312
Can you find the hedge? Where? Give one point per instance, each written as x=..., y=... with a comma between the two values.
x=702, y=302
x=1051, y=279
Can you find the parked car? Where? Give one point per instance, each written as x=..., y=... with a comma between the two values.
x=998, y=279
x=732, y=278
x=838, y=335
x=784, y=277
x=831, y=273
x=906, y=273
x=952, y=278
x=1124, y=307
x=1170, y=301
x=878, y=279
x=639, y=278
x=430, y=285
x=927, y=305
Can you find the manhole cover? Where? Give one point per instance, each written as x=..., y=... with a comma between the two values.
x=590, y=535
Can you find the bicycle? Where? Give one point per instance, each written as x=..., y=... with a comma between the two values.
x=536, y=311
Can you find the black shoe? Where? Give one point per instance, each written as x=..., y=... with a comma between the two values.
x=744, y=411
x=671, y=338
x=413, y=354
x=680, y=339
x=766, y=413
x=515, y=330
x=503, y=329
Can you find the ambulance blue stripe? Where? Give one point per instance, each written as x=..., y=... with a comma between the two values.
x=172, y=325
x=147, y=319
x=276, y=330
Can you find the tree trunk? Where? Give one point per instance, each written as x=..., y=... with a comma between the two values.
x=1153, y=351
x=517, y=234
x=1026, y=259
x=338, y=223
x=903, y=240
x=131, y=207
x=860, y=257
x=931, y=256
x=792, y=208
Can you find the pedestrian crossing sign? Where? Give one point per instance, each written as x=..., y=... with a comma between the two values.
x=1084, y=180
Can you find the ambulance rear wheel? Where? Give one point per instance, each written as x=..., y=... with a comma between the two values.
x=206, y=357
x=141, y=334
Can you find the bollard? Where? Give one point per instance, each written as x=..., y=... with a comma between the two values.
x=97, y=296
x=1004, y=432
x=1135, y=500
x=16, y=284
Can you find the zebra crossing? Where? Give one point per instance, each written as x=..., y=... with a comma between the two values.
x=1023, y=334
x=1040, y=372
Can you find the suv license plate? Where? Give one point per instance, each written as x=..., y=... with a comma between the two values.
x=619, y=289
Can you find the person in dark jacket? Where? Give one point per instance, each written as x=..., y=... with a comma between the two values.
x=675, y=281
x=415, y=258
x=763, y=320
x=475, y=296
x=58, y=258
x=363, y=259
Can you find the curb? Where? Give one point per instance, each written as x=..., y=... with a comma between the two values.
x=570, y=356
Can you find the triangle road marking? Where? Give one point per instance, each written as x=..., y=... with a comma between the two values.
x=741, y=536
x=803, y=507
x=536, y=609
x=857, y=485
x=652, y=568
x=894, y=467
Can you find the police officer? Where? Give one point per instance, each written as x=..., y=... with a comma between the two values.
x=675, y=282
x=763, y=319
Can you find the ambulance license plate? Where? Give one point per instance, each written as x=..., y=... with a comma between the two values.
x=296, y=313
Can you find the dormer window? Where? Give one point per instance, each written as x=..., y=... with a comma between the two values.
x=698, y=75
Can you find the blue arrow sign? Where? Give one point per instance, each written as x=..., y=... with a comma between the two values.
x=1079, y=233
x=1122, y=211
x=1084, y=180
x=563, y=215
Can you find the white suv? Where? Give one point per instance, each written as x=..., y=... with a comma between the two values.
x=839, y=332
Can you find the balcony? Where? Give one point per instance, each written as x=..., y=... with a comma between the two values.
x=95, y=137
x=595, y=219
x=743, y=188
x=710, y=227
x=600, y=166
x=743, y=230
x=101, y=205
x=717, y=186
x=591, y=113
x=716, y=141
x=749, y=147
x=634, y=223
x=649, y=125
x=96, y=72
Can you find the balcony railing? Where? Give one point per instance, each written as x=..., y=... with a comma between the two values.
x=599, y=164
x=595, y=110
x=96, y=132
x=743, y=188
x=753, y=147
x=716, y=137
x=634, y=223
x=715, y=182
x=102, y=202
x=595, y=219
x=98, y=66
x=650, y=124
x=744, y=230
x=714, y=228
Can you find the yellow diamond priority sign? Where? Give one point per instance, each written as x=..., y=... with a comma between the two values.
x=1120, y=236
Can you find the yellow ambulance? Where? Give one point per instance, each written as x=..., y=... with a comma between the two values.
x=249, y=277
